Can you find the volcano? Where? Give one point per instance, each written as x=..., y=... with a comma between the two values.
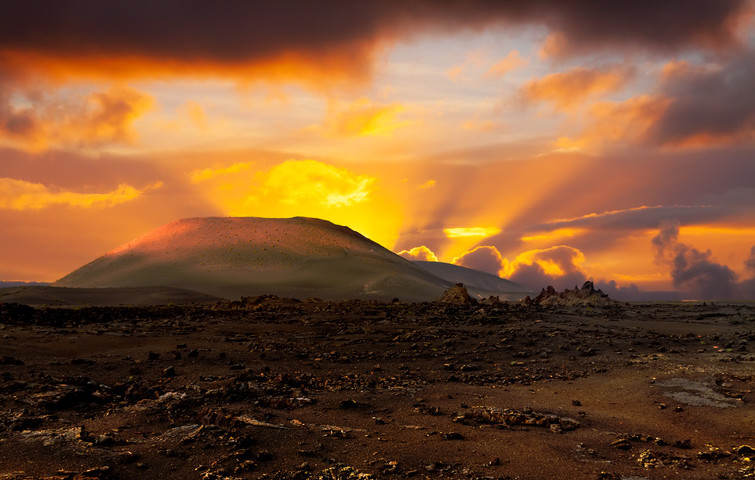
x=231, y=257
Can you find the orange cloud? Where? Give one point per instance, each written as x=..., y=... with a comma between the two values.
x=557, y=234
x=484, y=258
x=474, y=58
x=346, y=66
x=22, y=195
x=618, y=122
x=454, y=73
x=560, y=266
x=363, y=118
x=419, y=253
x=567, y=90
x=36, y=123
x=481, y=126
x=196, y=114
x=555, y=45
x=512, y=61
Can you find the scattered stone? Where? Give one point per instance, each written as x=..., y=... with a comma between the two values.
x=621, y=444
x=507, y=418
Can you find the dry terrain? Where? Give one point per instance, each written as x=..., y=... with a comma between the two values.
x=281, y=389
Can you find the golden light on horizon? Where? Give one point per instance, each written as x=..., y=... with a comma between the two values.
x=477, y=232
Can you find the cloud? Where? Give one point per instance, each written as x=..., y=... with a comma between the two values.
x=22, y=195
x=694, y=105
x=195, y=114
x=481, y=125
x=656, y=26
x=474, y=60
x=419, y=253
x=455, y=73
x=750, y=262
x=363, y=118
x=328, y=41
x=512, y=61
x=709, y=104
x=693, y=271
x=747, y=286
x=635, y=218
x=625, y=122
x=627, y=293
x=296, y=182
x=36, y=121
x=484, y=258
x=566, y=90
x=559, y=266
x=198, y=176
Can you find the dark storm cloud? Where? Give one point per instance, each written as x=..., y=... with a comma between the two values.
x=659, y=25
x=249, y=31
x=693, y=271
x=715, y=102
x=747, y=286
x=750, y=262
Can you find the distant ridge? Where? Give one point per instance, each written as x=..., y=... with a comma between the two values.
x=231, y=257
x=479, y=284
x=7, y=284
x=66, y=296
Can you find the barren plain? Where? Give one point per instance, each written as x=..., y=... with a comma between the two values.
x=268, y=388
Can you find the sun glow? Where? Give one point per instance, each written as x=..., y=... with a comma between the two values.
x=465, y=232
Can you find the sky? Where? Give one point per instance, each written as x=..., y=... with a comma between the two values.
x=549, y=142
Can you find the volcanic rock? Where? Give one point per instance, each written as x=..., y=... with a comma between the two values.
x=586, y=296
x=457, y=295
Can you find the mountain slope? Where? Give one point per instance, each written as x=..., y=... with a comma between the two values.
x=236, y=256
x=480, y=284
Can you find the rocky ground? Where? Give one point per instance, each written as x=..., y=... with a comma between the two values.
x=279, y=389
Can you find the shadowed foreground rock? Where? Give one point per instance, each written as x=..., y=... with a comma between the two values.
x=457, y=295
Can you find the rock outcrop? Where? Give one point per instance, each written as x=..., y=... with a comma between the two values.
x=457, y=295
x=586, y=296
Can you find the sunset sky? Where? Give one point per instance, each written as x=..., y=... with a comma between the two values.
x=547, y=141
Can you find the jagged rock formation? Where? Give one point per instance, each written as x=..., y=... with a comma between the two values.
x=585, y=296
